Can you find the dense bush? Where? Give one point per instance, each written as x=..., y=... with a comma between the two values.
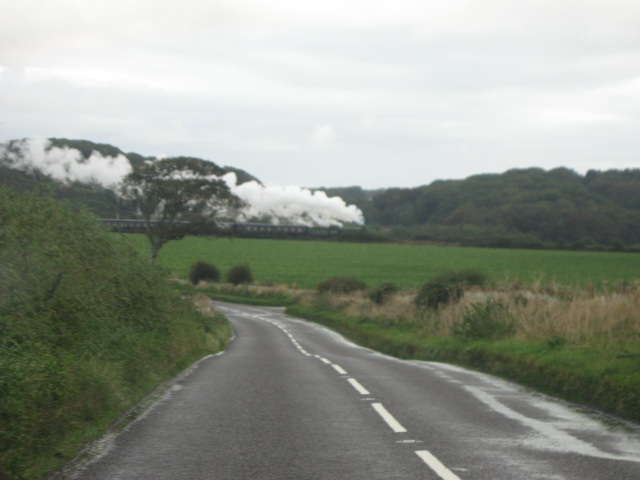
x=382, y=293
x=341, y=285
x=204, y=271
x=487, y=320
x=240, y=274
x=447, y=288
x=87, y=327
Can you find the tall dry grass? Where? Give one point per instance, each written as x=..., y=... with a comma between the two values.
x=538, y=312
x=573, y=316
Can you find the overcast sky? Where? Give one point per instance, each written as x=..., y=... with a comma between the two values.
x=332, y=92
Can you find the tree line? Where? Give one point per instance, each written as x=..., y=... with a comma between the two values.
x=530, y=208
x=519, y=208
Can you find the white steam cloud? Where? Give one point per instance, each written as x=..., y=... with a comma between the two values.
x=293, y=204
x=65, y=164
x=289, y=204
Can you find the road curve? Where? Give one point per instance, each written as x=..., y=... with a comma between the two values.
x=292, y=400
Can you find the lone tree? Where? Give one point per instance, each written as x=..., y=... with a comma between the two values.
x=176, y=196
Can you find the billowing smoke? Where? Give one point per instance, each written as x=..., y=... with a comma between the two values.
x=64, y=164
x=293, y=204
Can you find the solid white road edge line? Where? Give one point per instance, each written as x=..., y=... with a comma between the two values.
x=387, y=417
x=356, y=384
x=436, y=465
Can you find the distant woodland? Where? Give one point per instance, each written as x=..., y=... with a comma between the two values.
x=527, y=208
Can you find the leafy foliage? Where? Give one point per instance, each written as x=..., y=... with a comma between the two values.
x=447, y=288
x=382, y=293
x=240, y=274
x=204, y=271
x=176, y=194
x=487, y=320
x=528, y=208
x=87, y=327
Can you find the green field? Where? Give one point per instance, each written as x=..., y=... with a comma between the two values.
x=307, y=263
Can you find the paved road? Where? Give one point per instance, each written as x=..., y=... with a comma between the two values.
x=292, y=400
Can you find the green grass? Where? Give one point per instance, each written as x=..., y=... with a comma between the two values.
x=87, y=329
x=593, y=375
x=307, y=263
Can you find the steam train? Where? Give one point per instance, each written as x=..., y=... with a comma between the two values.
x=232, y=228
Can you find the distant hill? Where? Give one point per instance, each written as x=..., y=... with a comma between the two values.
x=100, y=200
x=530, y=208
x=518, y=208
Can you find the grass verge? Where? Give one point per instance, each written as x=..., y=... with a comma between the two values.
x=577, y=346
x=609, y=381
x=245, y=294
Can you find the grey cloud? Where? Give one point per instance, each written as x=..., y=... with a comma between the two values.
x=437, y=89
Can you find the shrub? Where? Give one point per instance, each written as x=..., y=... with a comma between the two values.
x=240, y=274
x=381, y=294
x=487, y=320
x=341, y=285
x=204, y=271
x=436, y=293
x=87, y=327
x=468, y=278
x=447, y=288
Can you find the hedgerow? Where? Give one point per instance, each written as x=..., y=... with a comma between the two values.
x=87, y=327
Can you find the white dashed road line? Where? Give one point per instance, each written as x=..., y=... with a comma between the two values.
x=427, y=457
x=339, y=369
x=436, y=465
x=359, y=388
x=387, y=417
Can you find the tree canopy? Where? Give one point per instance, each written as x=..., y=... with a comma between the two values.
x=529, y=207
x=176, y=196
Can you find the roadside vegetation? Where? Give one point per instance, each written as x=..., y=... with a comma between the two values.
x=576, y=343
x=87, y=328
x=579, y=341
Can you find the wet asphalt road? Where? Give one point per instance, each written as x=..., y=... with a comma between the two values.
x=292, y=400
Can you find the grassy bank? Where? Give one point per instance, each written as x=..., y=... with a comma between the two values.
x=87, y=328
x=576, y=344
x=581, y=347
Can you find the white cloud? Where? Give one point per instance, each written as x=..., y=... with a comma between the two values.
x=323, y=136
x=254, y=82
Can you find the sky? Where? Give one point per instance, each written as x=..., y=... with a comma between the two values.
x=375, y=93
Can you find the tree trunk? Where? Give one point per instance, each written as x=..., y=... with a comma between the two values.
x=156, y=245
